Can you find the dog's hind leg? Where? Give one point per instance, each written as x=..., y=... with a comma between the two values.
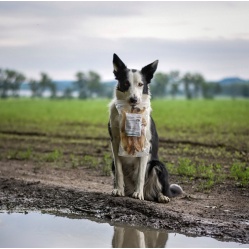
x=153, y=187
x=162, y=198
x=157, y=183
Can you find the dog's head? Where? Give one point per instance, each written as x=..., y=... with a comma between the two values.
x=133, y=85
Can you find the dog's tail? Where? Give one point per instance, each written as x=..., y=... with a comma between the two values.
x=175, y=190
x=170, y=190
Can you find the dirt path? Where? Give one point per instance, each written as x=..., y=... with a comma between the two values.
x=222, y=213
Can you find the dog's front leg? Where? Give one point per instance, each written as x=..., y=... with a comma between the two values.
x=119, y=177
x=139, y=189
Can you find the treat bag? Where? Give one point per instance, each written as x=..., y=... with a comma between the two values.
x=133, y=142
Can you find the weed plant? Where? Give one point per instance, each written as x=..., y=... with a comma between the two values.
x=240, y=172
x=210, y=174
x=53, y=156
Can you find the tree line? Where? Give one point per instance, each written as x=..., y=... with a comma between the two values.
x=88, y=85
x=194, y=85
x=190, y=85
x=10, y=81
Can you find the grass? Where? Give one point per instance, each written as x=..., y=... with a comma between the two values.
x=19, y=155
x=107, y=161
x=202, y=115
x=198, y=116
x=203, y=121
x=240, y=172
x=209, y=174
x=57, y=116
x=53, y=156
x=173, y=114
x=53, y=111
x=220, y=128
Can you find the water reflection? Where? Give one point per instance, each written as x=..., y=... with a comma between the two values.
x=44, y=230
x=128, y=237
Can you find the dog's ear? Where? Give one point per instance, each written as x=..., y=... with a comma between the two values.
x=118, y=65
x=149, y=70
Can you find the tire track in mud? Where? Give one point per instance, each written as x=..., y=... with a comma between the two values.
x=161, y=140
x=193, y=143
x=42, y=134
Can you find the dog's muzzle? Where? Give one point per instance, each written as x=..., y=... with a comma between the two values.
x=133, y=100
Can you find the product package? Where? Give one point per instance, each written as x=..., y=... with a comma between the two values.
x=133, y=142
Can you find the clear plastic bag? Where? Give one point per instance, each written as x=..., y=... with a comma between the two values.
x=133, y=142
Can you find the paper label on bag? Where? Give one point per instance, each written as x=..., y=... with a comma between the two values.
x=133, y=124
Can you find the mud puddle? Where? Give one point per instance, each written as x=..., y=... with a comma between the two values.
x=35, y=229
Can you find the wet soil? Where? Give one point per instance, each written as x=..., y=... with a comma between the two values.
x=221, y=212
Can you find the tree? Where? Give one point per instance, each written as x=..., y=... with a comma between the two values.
x=159, y=85
x=187, y=80
x=210, y=89
x=93, y=83
x=16, y=83
x=3, y=84
x=174, y=81
x=245, y=90
x=53, y=90
x=34, y=87
x=68, y=93
x=46, y=82
x=207, y=92
x=10, y=80
x=193, y=84
x=88, y=85
x=198, y=81
x=81, y=85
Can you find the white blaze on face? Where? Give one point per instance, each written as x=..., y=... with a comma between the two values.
x=136, y=89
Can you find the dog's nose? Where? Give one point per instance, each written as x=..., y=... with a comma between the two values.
x=133, y=100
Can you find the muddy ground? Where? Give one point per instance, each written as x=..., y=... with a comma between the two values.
x=28, y=184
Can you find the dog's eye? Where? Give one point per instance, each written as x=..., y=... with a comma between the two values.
x=140, y=84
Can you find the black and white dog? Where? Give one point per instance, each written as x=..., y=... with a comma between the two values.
x=144, y=178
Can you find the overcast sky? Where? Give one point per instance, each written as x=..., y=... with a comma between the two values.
x=61, y=38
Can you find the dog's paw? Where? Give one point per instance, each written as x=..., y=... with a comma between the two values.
x=163, y=199
x=138, y=195
x=117, y=192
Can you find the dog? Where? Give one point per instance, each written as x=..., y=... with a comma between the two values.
x=131, y=237
x=145, y=177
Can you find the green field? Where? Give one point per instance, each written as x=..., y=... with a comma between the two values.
x=221, y=121
x=204, y=132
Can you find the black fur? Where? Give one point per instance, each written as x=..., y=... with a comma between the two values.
x=123, y=83
x=159, y=167
x=162, y=175
x=154, y=140
x=148, y=71
x=146, y=89
x=118, y=63
x=121, y=74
